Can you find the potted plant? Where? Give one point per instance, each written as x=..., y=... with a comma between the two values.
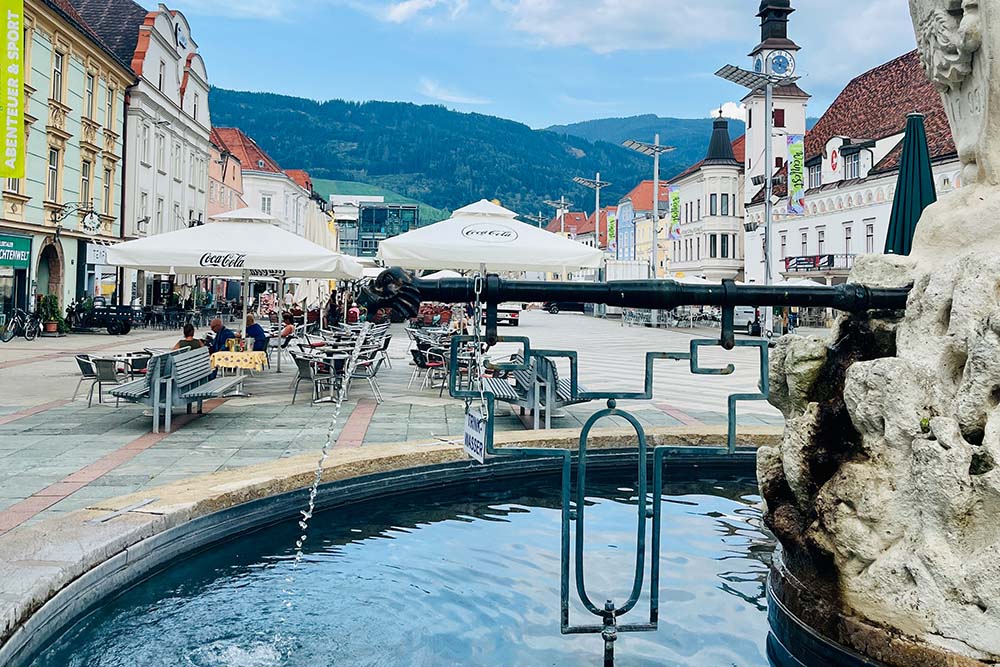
x=49, y=312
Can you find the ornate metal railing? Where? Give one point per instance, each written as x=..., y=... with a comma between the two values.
x=396, y=289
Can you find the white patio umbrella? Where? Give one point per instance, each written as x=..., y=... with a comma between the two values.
x=484, y=233
x=241, y=243
x=446, y=273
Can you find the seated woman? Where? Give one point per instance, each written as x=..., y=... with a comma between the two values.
x=288, y=330
x=255, y=331
x=189, y=341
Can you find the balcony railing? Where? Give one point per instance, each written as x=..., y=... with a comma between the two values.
x=814, y=263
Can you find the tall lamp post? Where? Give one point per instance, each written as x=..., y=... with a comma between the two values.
x=595, y=184
x=539, y=219
x=755, y=81
x=561, y=207
x=654, y=149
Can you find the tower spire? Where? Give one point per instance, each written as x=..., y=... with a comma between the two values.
x=720, y=148
x=773, y=16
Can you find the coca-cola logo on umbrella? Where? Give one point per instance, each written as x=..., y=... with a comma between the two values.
x=225, y=260
x=489, y=232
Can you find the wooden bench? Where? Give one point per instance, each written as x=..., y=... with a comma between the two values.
x=148, y=389
x=190, y=379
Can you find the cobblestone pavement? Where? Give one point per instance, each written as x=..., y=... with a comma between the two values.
x=58, y=455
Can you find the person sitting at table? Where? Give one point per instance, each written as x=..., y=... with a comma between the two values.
x=189, y=341
x=222, y=335
x=258, y=334
x=288, y=330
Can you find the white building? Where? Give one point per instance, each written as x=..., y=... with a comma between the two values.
x=266, y=186
x=167, y=118
x=711, y=212
x=852, y=161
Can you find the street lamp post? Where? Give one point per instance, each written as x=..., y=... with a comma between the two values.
x=595, y=184
x=755, y=81
x=560, y=206
x=654, y=149
x=539, y=219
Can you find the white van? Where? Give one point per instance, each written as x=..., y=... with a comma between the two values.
x=744, y=317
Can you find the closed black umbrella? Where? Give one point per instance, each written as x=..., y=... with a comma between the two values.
x=914, y=188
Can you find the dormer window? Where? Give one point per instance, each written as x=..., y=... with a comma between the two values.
x=815, y=176
x=852, y=165
x=260, y=164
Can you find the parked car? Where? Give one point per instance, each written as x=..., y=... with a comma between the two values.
x=747, y=318
x=509, y=313
x=569, y=306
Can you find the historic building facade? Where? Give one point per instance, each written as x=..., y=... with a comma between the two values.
x=57, y=218
x=710, y=197
x=225, y=178
x=167, y=123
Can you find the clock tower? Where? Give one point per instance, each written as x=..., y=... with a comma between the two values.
x=775, y=54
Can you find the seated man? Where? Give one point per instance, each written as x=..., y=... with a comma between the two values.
x=222, y=334
x=255, y=331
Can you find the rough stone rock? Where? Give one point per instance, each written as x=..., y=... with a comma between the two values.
x=899, y=504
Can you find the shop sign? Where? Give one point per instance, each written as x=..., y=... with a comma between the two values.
x=15, y=251
x=796, y=174
x=12, y=64
x=97, y=254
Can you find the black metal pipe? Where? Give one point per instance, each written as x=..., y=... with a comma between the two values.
x=665, y=294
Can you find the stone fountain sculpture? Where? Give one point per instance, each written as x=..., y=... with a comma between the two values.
x=885, y=491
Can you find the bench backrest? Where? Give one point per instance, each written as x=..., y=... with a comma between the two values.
x=190, y=368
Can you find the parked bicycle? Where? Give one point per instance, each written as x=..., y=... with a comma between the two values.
x=21, y=323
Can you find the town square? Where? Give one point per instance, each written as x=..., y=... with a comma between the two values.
x=437, y=332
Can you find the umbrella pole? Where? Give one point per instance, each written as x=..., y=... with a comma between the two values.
x=281, y=292
x=246, y=302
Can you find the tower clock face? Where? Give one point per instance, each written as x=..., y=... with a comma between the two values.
x=782, y=63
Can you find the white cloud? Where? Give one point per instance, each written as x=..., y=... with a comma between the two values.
x=408, y=10
x=435, y=91
x=733, y=110
x=605, y=26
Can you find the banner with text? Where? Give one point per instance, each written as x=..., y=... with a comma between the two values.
x=12, y=62
x=796, y=174
x=613, y=233
x=675, y=213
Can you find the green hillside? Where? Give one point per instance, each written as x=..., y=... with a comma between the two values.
x=428, y=214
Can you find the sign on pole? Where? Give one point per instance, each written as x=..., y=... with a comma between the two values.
x=613, y=233
x=12, y=62
x=796, y=174
x=475, y=435
x=675, y=213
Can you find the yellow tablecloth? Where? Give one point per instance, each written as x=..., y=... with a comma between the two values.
x=251, y=361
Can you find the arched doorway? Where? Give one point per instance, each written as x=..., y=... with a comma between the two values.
x=49, y=275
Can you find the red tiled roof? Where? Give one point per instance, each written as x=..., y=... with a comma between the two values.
x=739, y=152
x=641, y=195
x=874, y=106
x=574, y=220
x=588, y=226
x=301, y=178
x=246, y=150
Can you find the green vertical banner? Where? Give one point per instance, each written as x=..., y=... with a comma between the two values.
x=12, y=63
x=675, y=213
x=796, y=174
x=613, y=233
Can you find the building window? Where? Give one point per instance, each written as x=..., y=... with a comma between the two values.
x=698, y=248
x=805, y=243
x=145, y=144
x=161, y=158
x=779, y=117
x=713, y=204
x=820, y=241
x=265, y=204
x=784, y=246
x=107, y=192
x=699, y=208
x=815, y=176
x=779, y=162
x=88, y=98
x=159, y=215
x=749, y=118
x=736, y=252
x=211, y=191
x=163, y=75
x=14, y=185
x=725, y=206
x=852, y=165
x=58, y=62
x=85, y=181
x=192, y=165
x=725, y=246
x=52, y=182
x=109, y=112
x=713, y=249
x=194, y=111
x=177, y=215
x=144, y=205
x=847, y=240
x=869, y=238
x=177, y=161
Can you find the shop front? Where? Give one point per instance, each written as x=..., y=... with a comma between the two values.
x=15, y=263
x=95, y=278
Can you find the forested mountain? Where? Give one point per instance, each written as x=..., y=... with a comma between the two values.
x=444, y=158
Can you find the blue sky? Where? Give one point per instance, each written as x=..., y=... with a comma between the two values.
x=540, y=62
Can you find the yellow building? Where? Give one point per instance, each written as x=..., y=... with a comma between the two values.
x=644, y=245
